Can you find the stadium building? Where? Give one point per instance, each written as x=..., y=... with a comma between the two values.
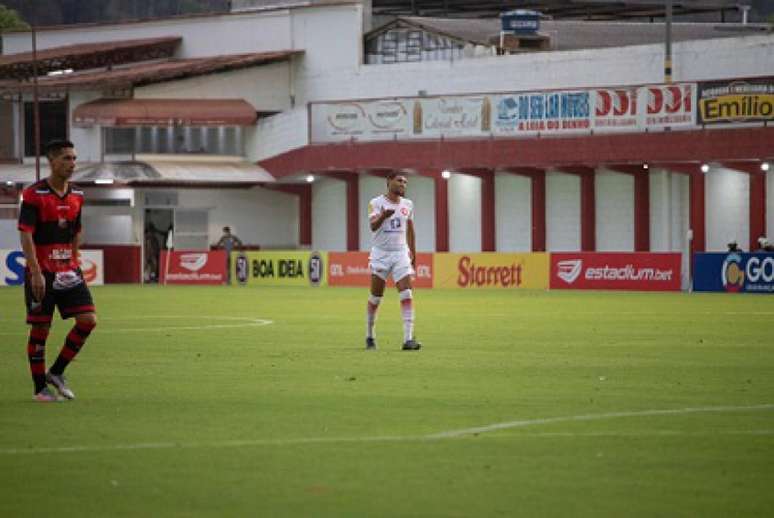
x=546, y=135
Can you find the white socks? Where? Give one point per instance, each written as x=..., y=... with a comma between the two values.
x=373, y=306
x=407, y=311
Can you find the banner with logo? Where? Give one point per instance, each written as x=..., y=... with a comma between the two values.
x=363, y=120
x=734, y=272
x=490, y=270
x=455, y=116
x=351, y=269
x=616, y=271
x=748, y=100
x=280, y=268
x=180, y=267
x=667, y=105
x=93, y=267
x=12, y=264
x=531, y=113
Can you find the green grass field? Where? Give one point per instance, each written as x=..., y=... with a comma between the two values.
x=520, y=404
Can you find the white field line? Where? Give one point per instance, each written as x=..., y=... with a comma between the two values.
x=245, y=322
x=590, y=417
x=451, y=434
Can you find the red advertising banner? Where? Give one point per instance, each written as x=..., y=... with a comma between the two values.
x=616, y=271
x=351, y=269
x=192, y=267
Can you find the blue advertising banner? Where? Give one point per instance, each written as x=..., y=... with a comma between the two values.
x=734, y=272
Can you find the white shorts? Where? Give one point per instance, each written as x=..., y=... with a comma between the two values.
x=384, y=262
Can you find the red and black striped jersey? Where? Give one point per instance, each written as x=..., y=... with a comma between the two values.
x=54, y=222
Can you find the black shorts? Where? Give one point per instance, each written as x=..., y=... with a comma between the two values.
x=71, y=301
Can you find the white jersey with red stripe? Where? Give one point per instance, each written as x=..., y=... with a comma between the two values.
x=391, y=234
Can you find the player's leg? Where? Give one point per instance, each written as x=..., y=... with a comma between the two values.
x=75, y=302
x=379, y=272
x=403, y=272
x=39, y=315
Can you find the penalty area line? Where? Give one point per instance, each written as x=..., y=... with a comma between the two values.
x=451, y=434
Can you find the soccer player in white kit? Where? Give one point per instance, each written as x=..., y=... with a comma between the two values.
x=393, y=251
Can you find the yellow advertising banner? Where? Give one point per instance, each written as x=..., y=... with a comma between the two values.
x=491, y=270
x=279, y=268
x=731, y=108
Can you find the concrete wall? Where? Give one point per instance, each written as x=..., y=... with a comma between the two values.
x=257, y=216
x=421, y=190
x=88, y=141
x=696, y=60
x=464, y=213
x=329, y=214
x=562, y=212
x=277, y=134
x=727, y=208
x=266, y=88
x=513, y=213
x=614, y=194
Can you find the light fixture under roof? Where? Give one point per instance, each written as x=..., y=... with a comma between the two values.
x=765, y=166
x=445, y=175
x=705, y=168
x=103, y=181
x=309, y=178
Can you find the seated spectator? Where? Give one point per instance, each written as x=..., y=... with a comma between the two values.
x=733, y=246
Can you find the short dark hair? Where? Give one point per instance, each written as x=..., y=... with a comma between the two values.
x=54, y=147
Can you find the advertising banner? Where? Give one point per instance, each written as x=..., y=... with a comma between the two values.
x=645, y=108
x=734, y=272
x=181, y=267
x=667, y=105
x=723, y=102
x=280, y=268
x=12, y=265
x=452, y=117
x=351, y=269
x=556, y=112
x=616, y=271
x=363, y=120
x=531, y=113
x=616, y=109
x=93, y=267
x=490, y=270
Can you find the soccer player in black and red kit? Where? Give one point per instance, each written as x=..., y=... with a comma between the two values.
x=50, y=229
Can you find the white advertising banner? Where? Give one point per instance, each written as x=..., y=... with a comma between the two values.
x=93, y=267
x=452, y=117
x=523, y=114
x=367, y=120
x=12, y=264
x=668, y=105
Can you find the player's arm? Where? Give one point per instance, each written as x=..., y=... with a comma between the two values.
x=37, y=281
x=411, y=240
x=377, y=218
x=28, y=220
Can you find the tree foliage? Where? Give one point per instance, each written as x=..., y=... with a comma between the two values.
x=10, y=19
